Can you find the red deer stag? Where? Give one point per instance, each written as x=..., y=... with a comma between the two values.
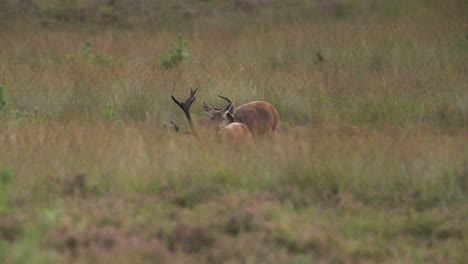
x=233, y=131
x=260, y=117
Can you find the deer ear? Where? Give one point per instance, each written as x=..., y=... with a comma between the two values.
x=207, y=108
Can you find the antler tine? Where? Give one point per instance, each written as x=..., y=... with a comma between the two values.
x=230, y=103
x=188, y=103
x=177, y=102
x=192, y=92
x=192, y=97
x=225, y=98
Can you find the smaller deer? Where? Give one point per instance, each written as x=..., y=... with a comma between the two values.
x=233, y=131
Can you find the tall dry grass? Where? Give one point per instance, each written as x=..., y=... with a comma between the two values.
x=379, y=168
x=106, y=181
x=375, y=70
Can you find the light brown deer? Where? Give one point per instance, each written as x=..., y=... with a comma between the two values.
x=232, y=131
x=260, y=117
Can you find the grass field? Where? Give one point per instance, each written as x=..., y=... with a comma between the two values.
x=369, y=166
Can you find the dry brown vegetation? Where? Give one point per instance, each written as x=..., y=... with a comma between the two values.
x=370, y=163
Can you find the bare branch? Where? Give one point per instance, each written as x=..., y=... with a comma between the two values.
x=185, y=106
x=176, y=127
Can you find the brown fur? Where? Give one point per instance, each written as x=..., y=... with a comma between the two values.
x=260, y=117
x=232, y=132
x=235, y=132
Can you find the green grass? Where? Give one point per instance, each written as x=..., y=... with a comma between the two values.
x=369, y=165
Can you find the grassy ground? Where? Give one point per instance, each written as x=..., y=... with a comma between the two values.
x=370, y=164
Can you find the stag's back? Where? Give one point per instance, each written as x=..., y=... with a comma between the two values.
x=260, y=117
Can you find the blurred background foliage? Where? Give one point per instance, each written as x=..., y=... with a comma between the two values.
x=150, y=14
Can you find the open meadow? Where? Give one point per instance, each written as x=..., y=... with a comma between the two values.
x=370, y=164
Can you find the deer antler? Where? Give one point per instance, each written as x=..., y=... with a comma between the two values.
x=230, y=103
x=185, y=106
x=225, y=98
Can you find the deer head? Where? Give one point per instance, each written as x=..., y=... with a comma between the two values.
x=220, y=117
